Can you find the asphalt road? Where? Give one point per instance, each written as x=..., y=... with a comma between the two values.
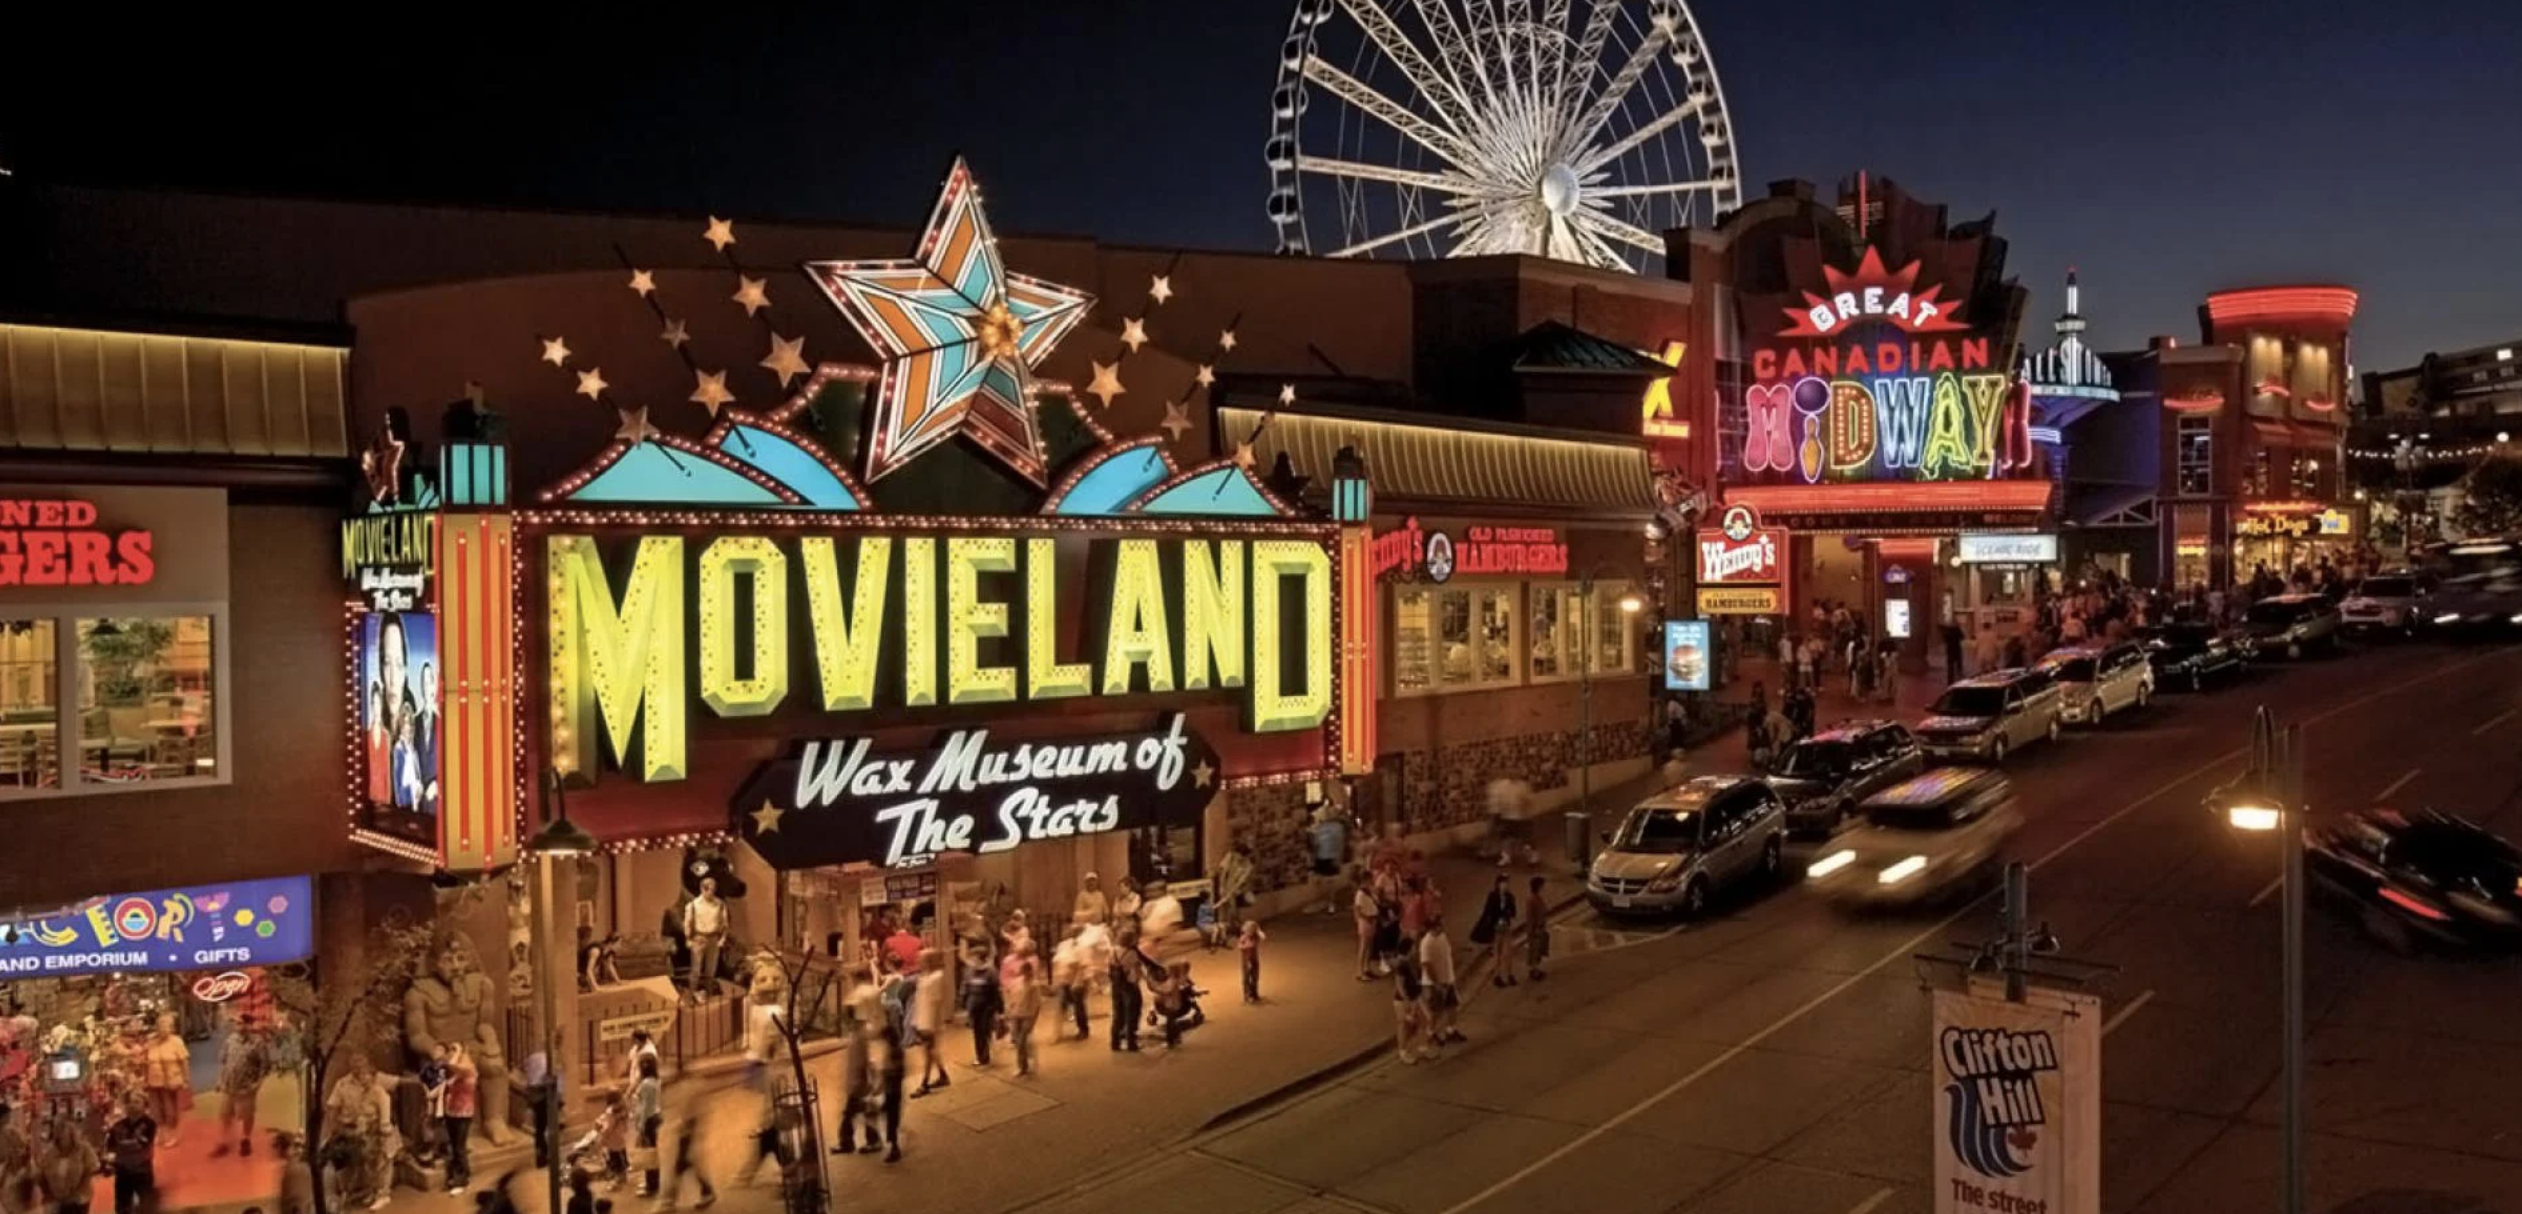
x=1774, y=1058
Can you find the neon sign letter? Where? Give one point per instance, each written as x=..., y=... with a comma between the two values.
x=1770, y=447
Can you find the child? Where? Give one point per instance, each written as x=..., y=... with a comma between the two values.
x=435, y=1076
x=1248, y=947
x=1536, y=933
x=613, y=1132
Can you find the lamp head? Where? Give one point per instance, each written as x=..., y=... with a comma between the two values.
x=1631, y=604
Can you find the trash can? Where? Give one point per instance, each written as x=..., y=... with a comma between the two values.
x=1579, y=826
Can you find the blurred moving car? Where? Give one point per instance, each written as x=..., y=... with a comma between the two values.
x=1677, y=848
x=1931, y=835
x=2389, y=602
x=2190, y=654
x=1986, y=717
x=1823, y=777
x=2481, y=591
x=2095, y=681
x=2292, y=624
x=2420, y=876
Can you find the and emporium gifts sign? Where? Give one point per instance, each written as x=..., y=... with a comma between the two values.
x=843, y=801
x=239, y=923
x=2018, y=1103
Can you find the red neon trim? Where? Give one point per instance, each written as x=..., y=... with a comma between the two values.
x=2282, y=303
x=2270, y=387
x=2195, y=402
x=1907, y=548
x=2413, y=906
x=1893, y=497
x=2322, y=403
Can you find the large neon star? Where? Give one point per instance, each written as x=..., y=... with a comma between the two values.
x=959, y=335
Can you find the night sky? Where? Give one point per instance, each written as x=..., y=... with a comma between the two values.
x=2165, y=148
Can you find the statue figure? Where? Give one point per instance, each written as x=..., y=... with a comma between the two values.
x=453, y=1003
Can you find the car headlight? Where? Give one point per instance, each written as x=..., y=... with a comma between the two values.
x=1902, y=871
x=2447, y=617
x=1830, y=864
x=1665, y=884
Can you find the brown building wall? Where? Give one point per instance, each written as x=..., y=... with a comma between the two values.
x=282, y=814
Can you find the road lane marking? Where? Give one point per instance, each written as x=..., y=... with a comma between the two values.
x=2397, y=784
x=1866, y=1206
x=2129, y=1009
x=1730, y=1053
x=2265, y=894
x=2492, y=722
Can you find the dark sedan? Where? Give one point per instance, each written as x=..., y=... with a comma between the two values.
x=2191, y=655
x=1825, y=776
x=2420, y=876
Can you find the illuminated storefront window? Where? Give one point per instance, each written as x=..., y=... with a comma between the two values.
x=2194, y=443
x=146, y=698
x=1457, y=638
x=30, y=751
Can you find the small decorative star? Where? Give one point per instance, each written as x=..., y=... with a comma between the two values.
x=1205, y=376
x=555, y=351
x=751, y=293
x=1161, y=289
x=591, y=384
x=1203, y=775
x=1133, y=333
x=1226, y=340
x=711, y=391
x=1243, y=455
x=1287, y=394
x=787, y=358
x=721, y=233
x=766, y=819
x=1177, y=418
x=1107, y=382
x=635, y=427
x=643, y=282
x=676, y=333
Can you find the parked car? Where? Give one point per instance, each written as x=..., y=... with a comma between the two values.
x=1823, y=777
x=2420, y=876
x=2388, y=602
x=2095, y=681
x=1987, y=717
x=2190, y=654
x=1935, y=834
x=2292, y=624
x=1680, y=847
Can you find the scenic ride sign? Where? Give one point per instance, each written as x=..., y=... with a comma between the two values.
x=843, y=802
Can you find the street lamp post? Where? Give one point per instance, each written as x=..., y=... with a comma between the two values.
x=1630, y=604
x=2269, y=798
x=559, y=838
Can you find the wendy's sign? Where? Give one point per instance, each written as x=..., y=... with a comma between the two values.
x=843, y=801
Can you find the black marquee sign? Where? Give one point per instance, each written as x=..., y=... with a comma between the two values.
x=842, y=801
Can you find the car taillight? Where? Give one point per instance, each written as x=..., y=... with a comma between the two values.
x=2415, y=906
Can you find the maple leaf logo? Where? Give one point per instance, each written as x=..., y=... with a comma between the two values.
x=1872, y=292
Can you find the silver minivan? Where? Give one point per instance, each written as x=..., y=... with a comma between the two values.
x=1678, y=848
x=1987, y=717
x=2095, y=681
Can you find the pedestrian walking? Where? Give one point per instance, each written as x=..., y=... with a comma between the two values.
x=1128, y=967
x=929, y=998
x=1235, y=873
x=1367, y=912
x=862, y=1018
x=1436, y=972
x=686, y=1165
x=886, y=1055
x=65, y=1170
x=1248, y=951
x=1409, y=1014
x=1091, y=907
x=360, y=1110
x=1024, y=1007
x=982, y=999
x=1068, y=977
x=131, y=1147
x=462, y=1102
x=647, y=1105
x=1495, y=931
x=1536, y=932
x=770, y=1139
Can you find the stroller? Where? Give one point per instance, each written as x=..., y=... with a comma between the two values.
x=1182, y=1005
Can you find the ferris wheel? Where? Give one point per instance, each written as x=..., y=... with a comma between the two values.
x=1572, y=129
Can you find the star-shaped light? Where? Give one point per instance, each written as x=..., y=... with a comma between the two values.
x=1226, y=340
x=787, y=358
x=676, y=333
x=1107, y=382
x=1133, y=333
x=382, y=465
x=766, y=819
x=1287, y=394
x=751, y=293
x=1204, y=775
x=959, y=336
x=1243, y=455
x=721, y=233
x=591, y=384
x=643, y=282
x=555, y=351
x=1161, y=289
x=634, y=427
x=1205, y=376
x=1177, y=418
x=710, y=390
